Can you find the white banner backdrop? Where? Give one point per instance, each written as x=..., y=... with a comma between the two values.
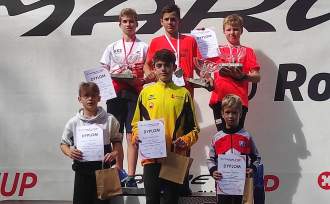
x=46, y=45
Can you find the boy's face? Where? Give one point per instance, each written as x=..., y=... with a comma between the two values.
x=128, y=25
x=89, y=100
x=233, y=34
x=170, y=22
x=164, y=71
x=231, y=115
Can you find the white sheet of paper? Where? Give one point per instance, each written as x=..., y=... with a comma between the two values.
x=207, y=42
x=102, y=78
x=233, y=170
x=89, y=140
x=152, y=136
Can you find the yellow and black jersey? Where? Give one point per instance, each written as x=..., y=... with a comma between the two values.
x=173, y=105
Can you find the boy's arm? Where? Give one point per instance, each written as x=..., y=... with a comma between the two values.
x=67, y=145
x=191, y=128
x=212, y=160
x=255, y=156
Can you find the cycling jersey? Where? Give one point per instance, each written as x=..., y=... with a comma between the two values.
x=237, y=142
x=174, y=106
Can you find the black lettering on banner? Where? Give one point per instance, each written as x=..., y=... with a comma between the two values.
x=313, y=91
x=200, y=179
x=296, y=18
x=84, y=24
x=199, y=11
x=62, y=10
x=282, y=83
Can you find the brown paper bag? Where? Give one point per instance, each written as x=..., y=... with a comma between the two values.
x=248, y=190
x=175, y=167
x=107, y=183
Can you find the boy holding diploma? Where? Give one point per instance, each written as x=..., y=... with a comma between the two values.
x=231, y=140
x=173, y=104
x=90, y=115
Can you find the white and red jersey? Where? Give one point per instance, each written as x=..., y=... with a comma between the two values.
x=231, y=142
x=114, y=57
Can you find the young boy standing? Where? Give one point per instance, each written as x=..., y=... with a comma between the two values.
x=185, y=47
x=90, y=114
x=173, y=104
x=231, y=140
x=231, y=80
x=128, y=51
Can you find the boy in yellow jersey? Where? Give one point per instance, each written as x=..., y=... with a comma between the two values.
x=173, y=104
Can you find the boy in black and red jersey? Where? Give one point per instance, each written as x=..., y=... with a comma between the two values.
x=231, y=140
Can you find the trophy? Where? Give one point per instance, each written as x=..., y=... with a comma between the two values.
x=232, y=57
x=205, y=68
x=126, y=66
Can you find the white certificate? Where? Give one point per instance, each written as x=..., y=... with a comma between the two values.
x=233, y=170
x=207, y=42
x=102, y=78
x=89, y=140
x=152, y=137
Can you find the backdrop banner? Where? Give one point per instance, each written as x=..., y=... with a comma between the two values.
x=47, y=44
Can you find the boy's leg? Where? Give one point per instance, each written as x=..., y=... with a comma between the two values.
x=132, y=150
x=171, y=192
x=219, y=122
x=237, y=199
x=116, y=107
x=83, y=192
x=242, y=119
x=152, y=183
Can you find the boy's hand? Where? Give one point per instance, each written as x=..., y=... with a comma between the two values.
x=75, y=154
x=151, y=77
x=109, y=157
x=179, y=143
x=136, y=140
x=217, y=175
x=249, y=171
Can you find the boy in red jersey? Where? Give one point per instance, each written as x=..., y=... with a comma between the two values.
x=184, y=47
x=231, y=80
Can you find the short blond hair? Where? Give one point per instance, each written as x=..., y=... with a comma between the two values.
x=128, y=12
x=233, y=20
x=232, y=101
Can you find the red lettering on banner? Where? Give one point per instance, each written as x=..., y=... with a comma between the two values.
x=4, y=184
x=29, y=180
x=272, y=182
x=24, y=183
x=324, y=180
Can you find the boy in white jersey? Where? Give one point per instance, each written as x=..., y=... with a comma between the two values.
x=126, y=52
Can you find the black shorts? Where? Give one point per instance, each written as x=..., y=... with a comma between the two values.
x=123, y=108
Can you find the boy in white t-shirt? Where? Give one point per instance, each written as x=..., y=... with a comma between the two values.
x=126, y=52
